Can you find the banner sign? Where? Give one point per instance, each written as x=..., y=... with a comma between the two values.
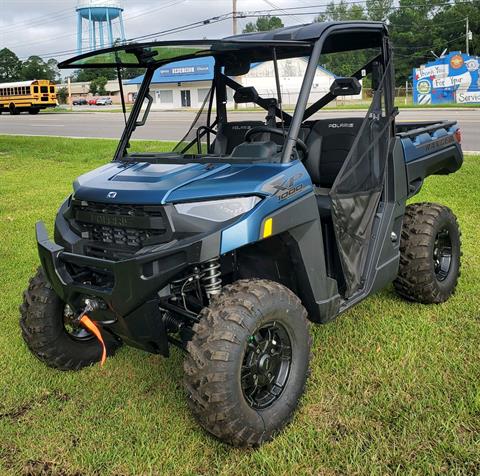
x=453, y=78
x=197, y=69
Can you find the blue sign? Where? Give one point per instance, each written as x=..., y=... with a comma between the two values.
x=200, y=69
x=454, y=78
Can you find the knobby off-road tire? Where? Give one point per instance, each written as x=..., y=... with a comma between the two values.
x=430, y=251
x=43, y=330
x=226, y=352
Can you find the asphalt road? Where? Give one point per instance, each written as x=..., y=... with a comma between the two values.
x=172, y=125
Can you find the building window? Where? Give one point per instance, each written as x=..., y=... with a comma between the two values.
x=202, y=94
x=165, y=96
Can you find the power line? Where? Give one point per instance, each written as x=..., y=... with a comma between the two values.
x=250, y=14
x=271, y=4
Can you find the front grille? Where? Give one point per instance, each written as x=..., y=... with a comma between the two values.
x=118, y=231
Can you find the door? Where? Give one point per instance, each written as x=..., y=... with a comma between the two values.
x=186, y=100
x=358, y=188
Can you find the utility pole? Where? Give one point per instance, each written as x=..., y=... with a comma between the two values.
x=234, y=17
x=467, y=37
x=69, y=86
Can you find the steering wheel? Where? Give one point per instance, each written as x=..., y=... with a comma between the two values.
x=273, y=130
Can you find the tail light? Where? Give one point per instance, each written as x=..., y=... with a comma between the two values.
x=458, y=136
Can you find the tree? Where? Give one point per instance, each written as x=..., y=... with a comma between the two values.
x=347, y=62
x=52, y=65
x=88, y=75
x=342, y=11
x=264, y=23
x=62, y=95
x=412, y=28
x=97, y=86
x=36, y=68
x=379, y=10
x=10, y=66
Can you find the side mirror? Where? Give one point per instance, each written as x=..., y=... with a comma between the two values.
x=345, y=87
x=245, y=94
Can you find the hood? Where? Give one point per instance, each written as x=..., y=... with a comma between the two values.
x=144, y=183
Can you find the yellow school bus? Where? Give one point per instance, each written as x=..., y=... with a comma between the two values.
x=28, y=96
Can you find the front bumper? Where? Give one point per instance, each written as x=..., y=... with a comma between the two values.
x=132, y=299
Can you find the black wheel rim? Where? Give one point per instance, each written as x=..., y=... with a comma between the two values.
x=72, y=328
x=266, y=365
x=442, y=254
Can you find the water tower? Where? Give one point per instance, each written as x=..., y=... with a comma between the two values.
x=99, y=23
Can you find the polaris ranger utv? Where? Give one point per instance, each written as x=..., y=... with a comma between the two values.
x=232, y=243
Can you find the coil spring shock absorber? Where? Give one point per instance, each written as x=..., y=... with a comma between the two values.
x=211, y=277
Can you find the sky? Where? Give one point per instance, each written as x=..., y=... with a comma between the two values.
x=47, y=27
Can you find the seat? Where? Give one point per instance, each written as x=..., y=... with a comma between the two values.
x=329, y=143
x=231, y=134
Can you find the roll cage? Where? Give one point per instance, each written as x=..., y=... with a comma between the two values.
x=304, y=41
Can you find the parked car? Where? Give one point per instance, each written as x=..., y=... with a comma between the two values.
x=104, y=102
x=229, y=246
x=80, y=102
x=92, y=101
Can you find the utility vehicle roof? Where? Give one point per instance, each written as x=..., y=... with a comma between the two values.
x=289, y=42
x=312, y=31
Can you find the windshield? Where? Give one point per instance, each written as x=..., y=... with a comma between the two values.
x=235, y=99
x=154, y=54
x=199, y=111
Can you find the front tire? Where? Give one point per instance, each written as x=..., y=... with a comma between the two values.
x=248, y=362
x=430, y=251
x=44, y=331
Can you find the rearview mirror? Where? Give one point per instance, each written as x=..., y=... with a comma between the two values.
x=345, y=87
x=234, y=66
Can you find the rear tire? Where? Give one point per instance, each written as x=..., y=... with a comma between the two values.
x=13, y=110
x=430, y=251
x=44, y=332
x=248, y=362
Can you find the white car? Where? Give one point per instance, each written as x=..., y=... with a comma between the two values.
x=103, y=102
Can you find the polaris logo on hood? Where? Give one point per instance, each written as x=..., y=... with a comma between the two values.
x=111, y=194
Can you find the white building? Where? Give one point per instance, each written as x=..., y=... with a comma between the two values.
x=185, y=84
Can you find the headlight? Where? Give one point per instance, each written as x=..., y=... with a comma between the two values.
x=218, y=210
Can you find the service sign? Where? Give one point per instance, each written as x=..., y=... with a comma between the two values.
x=466, y=98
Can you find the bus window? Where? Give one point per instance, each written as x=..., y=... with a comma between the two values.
x=44, y=89
x=35, y=89
x=52, y=89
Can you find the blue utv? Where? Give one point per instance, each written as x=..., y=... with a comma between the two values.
x=230, y=245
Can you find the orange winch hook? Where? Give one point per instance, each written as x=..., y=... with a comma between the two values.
x=93, y=328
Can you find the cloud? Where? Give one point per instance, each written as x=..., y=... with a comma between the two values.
x=44, y=27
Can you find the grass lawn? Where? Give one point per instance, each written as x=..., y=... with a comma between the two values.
x=394, y=389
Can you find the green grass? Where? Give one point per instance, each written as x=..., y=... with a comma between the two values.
x=394, y=389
